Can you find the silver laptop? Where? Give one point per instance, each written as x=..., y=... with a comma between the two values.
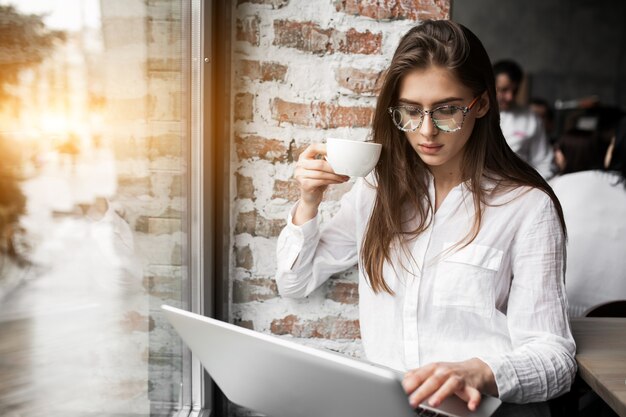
x=280, y=378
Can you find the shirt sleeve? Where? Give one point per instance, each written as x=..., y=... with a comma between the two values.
x=541, y=155
x=541, y=365
x=309, y=254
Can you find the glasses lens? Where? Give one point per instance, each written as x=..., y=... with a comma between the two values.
x=448, y=119
x=406, y=118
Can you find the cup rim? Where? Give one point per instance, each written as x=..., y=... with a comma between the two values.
x=352, y=141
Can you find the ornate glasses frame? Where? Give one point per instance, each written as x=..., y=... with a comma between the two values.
x=423, y=113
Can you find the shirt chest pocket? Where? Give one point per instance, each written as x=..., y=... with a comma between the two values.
x=465, y=279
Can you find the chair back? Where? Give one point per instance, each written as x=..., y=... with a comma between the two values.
x=615, y=308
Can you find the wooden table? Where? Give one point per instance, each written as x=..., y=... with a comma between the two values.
x=601, y=357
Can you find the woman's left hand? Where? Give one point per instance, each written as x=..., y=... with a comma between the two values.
x=437, y=381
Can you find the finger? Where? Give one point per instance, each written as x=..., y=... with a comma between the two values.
x=310, y=185
x=315, y=165
x=305, y=174
x=313, y=150
x=416, y=377
x=426, y=389
x=470, y=395
x=450, y=387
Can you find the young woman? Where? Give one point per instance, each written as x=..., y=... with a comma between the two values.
x=460, y=244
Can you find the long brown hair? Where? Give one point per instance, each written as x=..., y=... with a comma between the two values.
x=402, y=177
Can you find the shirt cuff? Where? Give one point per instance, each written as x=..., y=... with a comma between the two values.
x=294, y=239
x=506, y=378
x=306, y=230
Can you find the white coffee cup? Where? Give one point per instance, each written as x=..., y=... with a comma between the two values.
x=352, y=157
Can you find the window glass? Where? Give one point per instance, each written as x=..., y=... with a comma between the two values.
x=93, y=206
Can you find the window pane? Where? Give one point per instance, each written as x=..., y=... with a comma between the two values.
x=93, y=206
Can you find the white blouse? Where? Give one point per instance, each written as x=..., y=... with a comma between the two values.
x=526, y=135
x=594, y=205
x=500, y=299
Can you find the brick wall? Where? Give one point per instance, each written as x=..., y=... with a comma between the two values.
x=304, y=70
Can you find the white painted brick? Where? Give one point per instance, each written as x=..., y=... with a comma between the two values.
x=309, y=79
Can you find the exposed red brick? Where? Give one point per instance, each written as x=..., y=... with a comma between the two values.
x=284, y=326
x=263, y=71
x=269, y=227
x=252, y=146
x=305, y=36
x=396, y=9
x=361, y=42
x=321, y=115
x=345, y=292
x=295, y=150
x=244, y=107
x=359, y=81
x=310, y=37
x=249, y=69
x=244, y=257
x=256, y=289
x=276, y=4
x=250, y=222
x=246, y=223
x=324, y=328
x=248, y=30
x=245, y=187
x=289, y=190
x=434, y=9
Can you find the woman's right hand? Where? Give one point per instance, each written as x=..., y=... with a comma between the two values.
x=314, y=175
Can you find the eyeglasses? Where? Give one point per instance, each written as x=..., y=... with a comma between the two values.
x=445, y=118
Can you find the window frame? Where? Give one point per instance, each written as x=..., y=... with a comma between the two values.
x=208, y=188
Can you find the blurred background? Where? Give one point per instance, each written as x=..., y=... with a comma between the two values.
x=92, y=195
x=573, y=54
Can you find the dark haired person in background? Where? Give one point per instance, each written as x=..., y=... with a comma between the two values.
x=448, y=216
x=544, y=112
x=594, y=205
x=580, y=150
x=523, y=130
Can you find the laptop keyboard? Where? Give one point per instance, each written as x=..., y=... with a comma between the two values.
x=422, y=412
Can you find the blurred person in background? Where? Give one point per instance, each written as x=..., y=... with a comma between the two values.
x=594, y=205
x=544, y=111
x=579, y=151
x=523, y=130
